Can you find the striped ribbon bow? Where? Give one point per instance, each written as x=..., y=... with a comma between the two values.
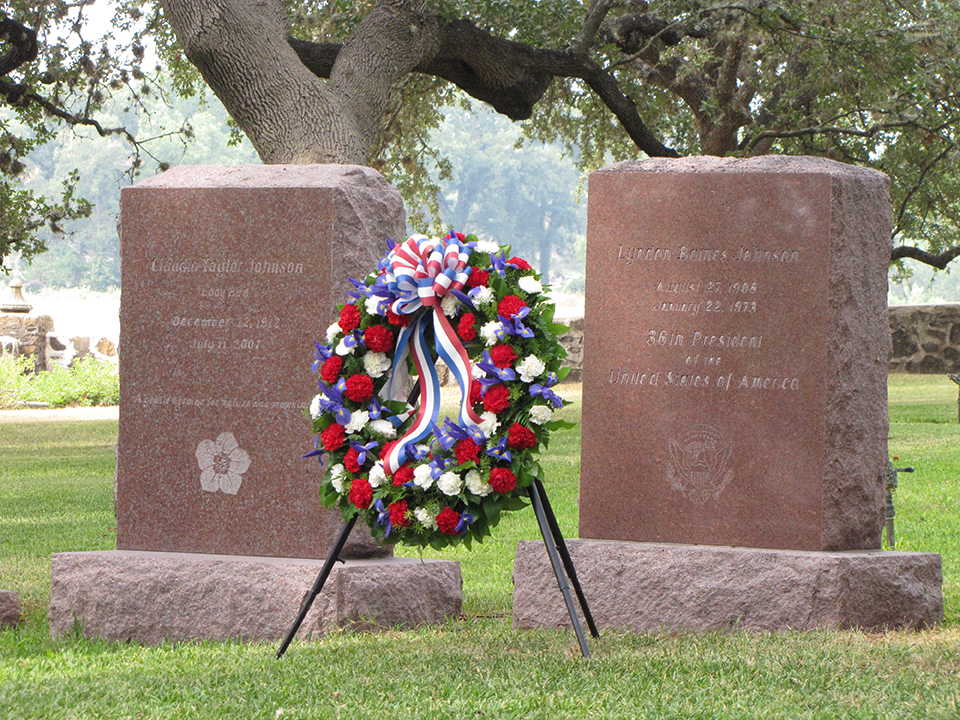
x=418, y=274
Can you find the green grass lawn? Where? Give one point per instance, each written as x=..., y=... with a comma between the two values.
x=925, y=435
x=56, y=482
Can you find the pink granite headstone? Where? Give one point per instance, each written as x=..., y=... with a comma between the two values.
x=736, y=345
x=229, y=275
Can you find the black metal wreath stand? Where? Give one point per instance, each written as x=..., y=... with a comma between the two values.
x=556, y=549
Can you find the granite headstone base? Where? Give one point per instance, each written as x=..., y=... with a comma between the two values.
x=675, y=588
x=150, y=597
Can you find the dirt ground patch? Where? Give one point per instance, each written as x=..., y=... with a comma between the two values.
x=30, y=415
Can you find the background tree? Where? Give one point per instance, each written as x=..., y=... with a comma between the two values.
x=87, y=253
x=865, y=81
x=525, y=197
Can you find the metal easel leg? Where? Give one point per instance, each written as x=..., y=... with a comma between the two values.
x=549, y=540
x=567, y=560
x=318, y=585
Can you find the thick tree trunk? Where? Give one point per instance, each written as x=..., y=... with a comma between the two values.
x=290, y=115
x=301, y=102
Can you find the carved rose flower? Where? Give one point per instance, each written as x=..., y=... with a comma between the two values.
x=222, y=464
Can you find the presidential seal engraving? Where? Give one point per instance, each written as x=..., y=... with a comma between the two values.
x=698, y=463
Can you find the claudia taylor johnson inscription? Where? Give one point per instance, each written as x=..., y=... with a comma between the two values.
x=728, y=315
x=222, y=283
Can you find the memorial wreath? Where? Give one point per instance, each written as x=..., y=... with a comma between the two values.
x=487, y=317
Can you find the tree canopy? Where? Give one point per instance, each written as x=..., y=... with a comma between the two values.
x=870, y=82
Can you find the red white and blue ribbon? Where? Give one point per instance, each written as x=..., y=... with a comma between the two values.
x=418, y=274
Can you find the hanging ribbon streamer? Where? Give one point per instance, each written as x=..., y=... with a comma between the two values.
x=417, y=275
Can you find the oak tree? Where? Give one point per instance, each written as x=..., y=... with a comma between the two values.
x=871, y=82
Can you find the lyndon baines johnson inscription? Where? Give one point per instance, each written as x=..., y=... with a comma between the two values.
x=723, y=302
x=705, y=337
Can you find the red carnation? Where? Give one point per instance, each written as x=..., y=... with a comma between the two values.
x=497, y=399
x=466, y=451
x=378, y=339
x=403, y=474
x=520, y=437
x=447, y=521
x=478, y=278
x=330, y=370
x=359, y=388
x=349, y=318
x=333, y=437
x=398, y=514
x=475, y=392
x=350, y=461
x=465, y=329
x=510, y=306
x=361, y=493
x=520, y=263
x=502, y=480
x=502, y=356
x=394, y=319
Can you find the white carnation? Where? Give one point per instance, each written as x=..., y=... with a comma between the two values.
x=425, y=518
x=487, y=246
x=477, y=485
x=530, y=367
x=342, y=348
x=385, y=428
x=422, y=477
x=540, y=414
x=482, y=296
x=477, y=372
x=449, y=305
x=489, y=423
x=377, y=476
x=358, y=418
x=372, y=304
x=529, y=284
x=450, y=483
x=489, y=332
x=332, y=332
x=376, y=364
x=337, y=475
x=315, y=406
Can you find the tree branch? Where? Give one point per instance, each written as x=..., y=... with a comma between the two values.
x=831, y=129
x=591, y=24
x=606, y=87
x=381, y=50
x=25, y=98
x=940, y=261
x=927, y=167
x=23, y=45
x=509, y=76
x=631, y=33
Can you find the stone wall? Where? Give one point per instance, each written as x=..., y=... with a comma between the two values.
x=30, y=332
x=33, y=336
x=572, y=341
x=926, y=338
